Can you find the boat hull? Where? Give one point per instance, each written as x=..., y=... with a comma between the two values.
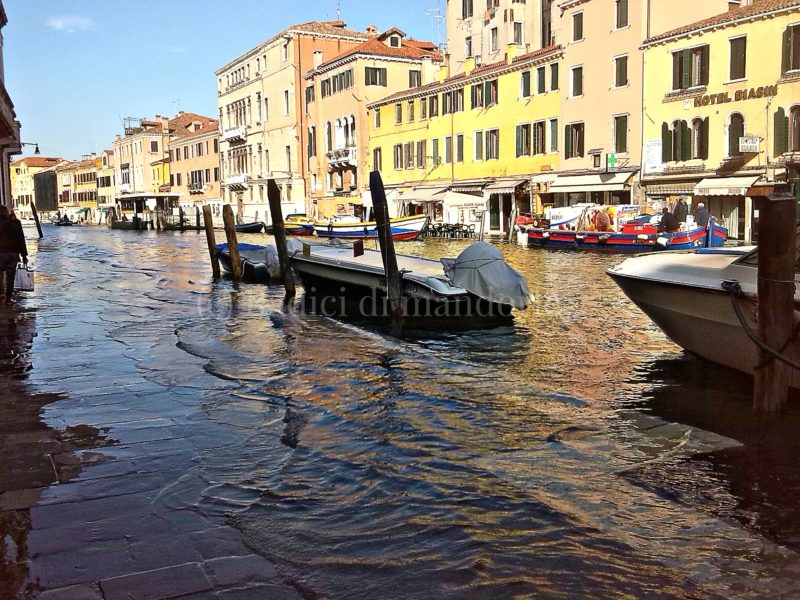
x=627, y=242
x=254, y=268
x=250, y=228
x=403, y=229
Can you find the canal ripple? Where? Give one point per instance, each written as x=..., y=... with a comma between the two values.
x=510, y=462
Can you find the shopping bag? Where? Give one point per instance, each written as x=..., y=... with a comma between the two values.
x=23, y=280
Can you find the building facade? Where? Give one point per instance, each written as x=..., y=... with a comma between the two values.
x=23, y=193
x=143, y=143
x=263, y=123
x=489, y=132
x=722, y=97
x=9, y=127
x=337, y=93
x=194, y=162
x=106, y=181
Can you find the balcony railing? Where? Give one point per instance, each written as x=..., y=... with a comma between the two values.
x=235, y=134
x=342, y=156
x=237, y=181
x=196, y=188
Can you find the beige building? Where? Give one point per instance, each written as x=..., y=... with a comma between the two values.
x=9, y=127
x=106, y=188
x=23, y=193
x=601, y=82
x=194, y=160
x=263, y=123
x=337, y=93
x=483, y=29
x=65, y=186
x=143, y=143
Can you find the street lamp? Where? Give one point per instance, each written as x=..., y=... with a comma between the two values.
x=36, y=151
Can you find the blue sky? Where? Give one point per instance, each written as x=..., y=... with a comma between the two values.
x=75, y=68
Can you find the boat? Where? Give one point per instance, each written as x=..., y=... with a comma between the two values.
x=689, y=296
x=259, y=263
x=298, y=224
x=627, y=232
x=256, y=227
x=403, y=228
x=478, y=285
x=63, y=223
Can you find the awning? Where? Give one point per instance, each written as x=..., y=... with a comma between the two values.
x=504, y=186
x=669, y=189
x=543, y=178
x=83, y=210
x=366, y=197
x=594, y=182
x=421, y=195
x=474, y=185
x=725, y=186
x=463, y=201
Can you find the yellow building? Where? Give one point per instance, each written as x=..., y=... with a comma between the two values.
x=85, y=188
x=722, y=109
x=491, y=131
x=22, y=183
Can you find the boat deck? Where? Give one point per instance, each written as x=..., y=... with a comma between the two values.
x=372, y=259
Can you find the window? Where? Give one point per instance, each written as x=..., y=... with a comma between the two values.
x=700, y=138
x=738, y=58
x=458, y=100
x=518, y=40
x=375, y=76
x=377, y=160
x=328, y=136
x=448, y=150
x=289, y=159
x=266, y=109
x=286, y=102
x=377, y=118
x=478, y=145
x=477, y=96
x=312, y=141
x=621, y=133
x=554, y=76
x=447, y=103
x=573, y=140
x=186, y=152
x=490, y=92
x=422, y=151
x=493, y=40
x=398, y=113
x=466, y=9
x=493, y=144
x=577, y=27
x=309, y=98
x=394, y=41
x=408, y=152
x=676, y=142
x=735, y=131
x=216, y=146
x=553, y=135
x=539, y=138
x=468, y=46
x=433, y=106
x=178, y=179
x=460, y=148
x=216, y=173
x=790, y=60
x=435, y=151
x=540, y=81
x=621, y=71
x=622, y=13
x=410, y=110
x=690, y=68
x=576, y=87
x=414, y=78
x=525, y=86
x=398, y=157
x=285, y=50
x=423, y=109
x=524, y=140
x=153, y=146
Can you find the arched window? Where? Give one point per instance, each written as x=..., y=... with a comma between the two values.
x=352, y=131
x=681, y=141
x=794, y=129
x=700, y=138
x=735, y=131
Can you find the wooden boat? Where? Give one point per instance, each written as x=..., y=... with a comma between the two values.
x=257, y=261
x=256, y=227
x=299, y=224
x=687, y=295
x=403, y=228
x=477, y=285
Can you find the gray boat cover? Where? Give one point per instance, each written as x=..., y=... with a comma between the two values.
x=480, y=269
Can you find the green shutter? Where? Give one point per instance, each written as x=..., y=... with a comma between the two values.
x=567, y=141
x=738, y=54
x=781, y=123
x=554, y=76
x=686, y=69
x=519, y=141
x=486, y=92
x=704, y=65
x=621, y=134
x=686, y=141
x=623, y=13
x=787, y=50
x=666, y=143
x=704, y=132
x=540, y=76
x=580, y=135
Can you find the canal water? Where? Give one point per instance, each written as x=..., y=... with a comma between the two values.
x=575, y=451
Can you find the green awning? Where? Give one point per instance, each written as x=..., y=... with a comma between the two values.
x=83, y=210
x=105, y=209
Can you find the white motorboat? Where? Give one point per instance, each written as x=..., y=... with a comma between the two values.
x=687, y=295
x=477, y=284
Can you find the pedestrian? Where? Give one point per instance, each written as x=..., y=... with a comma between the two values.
x=669, y=223
x=681, y=210
x=12, y=245
x=701, y=217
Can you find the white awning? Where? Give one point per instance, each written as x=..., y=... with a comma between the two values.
x=420, y=195
x=470, y=185
x=464, y=201
x=594, y=182
x=725, y=186
x=505, y=186
x=543, y=178
x=366, y=197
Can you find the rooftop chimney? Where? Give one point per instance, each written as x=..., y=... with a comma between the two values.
x=372, y=30
x=317, y=58
x=164, y=124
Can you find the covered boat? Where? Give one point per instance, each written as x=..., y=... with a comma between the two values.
x=690, y=297
x=259, y=263
x=475, y=286
x=403, y=228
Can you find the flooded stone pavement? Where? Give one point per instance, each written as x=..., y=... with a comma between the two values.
x=166, y=435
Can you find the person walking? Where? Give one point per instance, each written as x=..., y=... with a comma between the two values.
x=701, y=217
x=681, y=210
x=12, y=246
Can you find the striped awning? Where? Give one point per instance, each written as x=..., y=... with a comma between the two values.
x=474, y=185
x=505, y=186
x=669, y=189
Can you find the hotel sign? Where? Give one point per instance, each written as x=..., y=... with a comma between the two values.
x=739, y=95
x=749, y=143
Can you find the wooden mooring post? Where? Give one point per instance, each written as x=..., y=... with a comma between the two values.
x=233, y=243
x=211, y=240
x=278, y=231
x=36, y=220
x=394, y=287
x=197, y=217
x=777, y=253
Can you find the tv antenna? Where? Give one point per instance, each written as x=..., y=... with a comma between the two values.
x=338, y=10
x=436, y=15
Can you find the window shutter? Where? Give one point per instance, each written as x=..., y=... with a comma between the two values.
x=666, y=143
x=704, y=65
x=686, y=141
x=787, y=50
x=686, y=69
x=781, y=122
x=519, y=141
x=704, y=133
x=487, y=88
x=621, y=132
x=676, y=70
x=567, y=141
x=554, y=76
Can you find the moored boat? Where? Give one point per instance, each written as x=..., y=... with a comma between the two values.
x=298, y=224
x=688, y=295
x=259, y=263
x=255, y=227
x=403, y=228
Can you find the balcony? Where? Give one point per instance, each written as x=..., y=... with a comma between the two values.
x=237, y=181
x=342, y=157
x=196, y=188
x=235, y=134
x=125, y=188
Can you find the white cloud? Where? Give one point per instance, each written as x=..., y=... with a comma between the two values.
x=175, y=49
x=70, y=23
